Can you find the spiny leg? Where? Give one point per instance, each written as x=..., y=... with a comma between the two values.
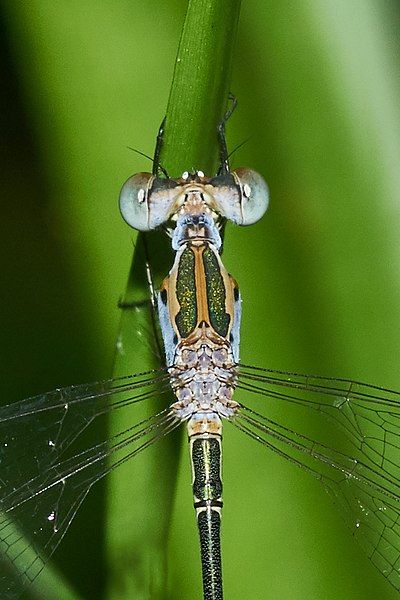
x=148, y=303
x=223, y=149
x=153, y=300
x=157, y=151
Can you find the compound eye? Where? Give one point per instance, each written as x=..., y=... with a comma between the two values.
x=146, y=201
x=134, y=201
x=254, y=195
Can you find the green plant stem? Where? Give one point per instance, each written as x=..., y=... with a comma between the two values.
x=200, y=86
x=140, y=504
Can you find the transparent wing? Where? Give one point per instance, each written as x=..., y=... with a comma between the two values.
x=362, y=473
x=41, y=486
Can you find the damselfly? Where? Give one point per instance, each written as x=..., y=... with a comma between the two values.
x=199, y=310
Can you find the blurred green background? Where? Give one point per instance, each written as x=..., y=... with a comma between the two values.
x=318, y=90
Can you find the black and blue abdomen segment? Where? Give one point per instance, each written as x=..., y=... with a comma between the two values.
x=206, y=456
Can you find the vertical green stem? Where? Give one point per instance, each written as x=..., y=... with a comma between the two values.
x=200, y=86
x=140, y=503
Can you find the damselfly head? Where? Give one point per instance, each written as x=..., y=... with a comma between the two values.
x=146, y=201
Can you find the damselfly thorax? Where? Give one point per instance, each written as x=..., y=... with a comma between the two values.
x=199, y=304
x=199, y=311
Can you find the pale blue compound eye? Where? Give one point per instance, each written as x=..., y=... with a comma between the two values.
x=146, y=201
x=240, y=196
x=134, y=201
x=254, y=195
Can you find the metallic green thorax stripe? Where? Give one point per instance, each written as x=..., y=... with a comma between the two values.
x=216, y=294
x=186, y=319
x=207, y=491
